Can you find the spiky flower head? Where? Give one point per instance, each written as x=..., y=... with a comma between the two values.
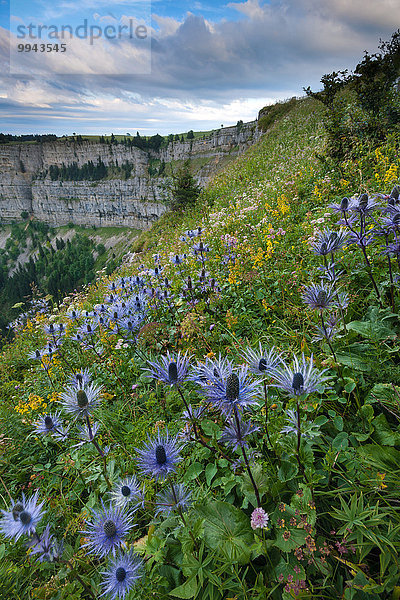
x=23, y=517
x=45, y=547
x=300, y=378
x=212, y=368
x=319, y=296
x=235, y=390
x=365, y=205
x=344, y=207
x=81, y=402
x=127, y=493
x=159, y=457
x=80, y=379
x=121, y=575
x=261, y=362
x=174, y=498
x=236, y=432
x=328, y=241
x=170, y=369
x=51, y=424
x=107, y=531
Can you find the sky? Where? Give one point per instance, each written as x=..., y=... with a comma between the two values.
x=169, y=66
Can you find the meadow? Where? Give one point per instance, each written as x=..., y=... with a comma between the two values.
x=219, y=419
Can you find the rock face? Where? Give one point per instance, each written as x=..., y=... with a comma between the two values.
x=25, y=183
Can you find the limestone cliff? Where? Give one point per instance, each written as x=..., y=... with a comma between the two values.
x=25, y=183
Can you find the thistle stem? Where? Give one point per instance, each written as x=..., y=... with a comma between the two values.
x=301, y=466
x=266, y=412
x=197, y=435
x=326, y=335
x=100, y=451
x=180, y=511
x=246, y=460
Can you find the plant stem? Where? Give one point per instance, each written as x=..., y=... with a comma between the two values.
x=246, y=460
x=326, y=335
x=196, y=432
x=266, y=412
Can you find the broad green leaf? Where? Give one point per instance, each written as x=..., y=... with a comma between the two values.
x=372, y=330
x=383, y=433
x=211, y=470
x=227, y=531
x=288, y=470
x=186, y=590
x=341, y=441
x=353, y=361
x=193, y=471
x=338, y=422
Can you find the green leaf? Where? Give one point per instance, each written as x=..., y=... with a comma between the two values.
x=383, y=433
x=349, y=387
x=355, y=362
x=297, y=538
x=193, y=471
x=384, y=458
x=211, y=470
x=338, y=422
x=287, y=470
x=321, y=420
x=341, y=441
x=375, y=331
x=227, y=531
x=186, y=590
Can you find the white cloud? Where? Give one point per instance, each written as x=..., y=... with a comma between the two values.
x=205, y=73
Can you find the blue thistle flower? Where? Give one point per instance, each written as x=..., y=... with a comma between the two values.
x=210, y=369
x=176, y=498
x=262, y=362
x=121, y=575
x=45, y=546
x=170, y=369
x=81, y=402
x=319, y=296
x=234, y=390
x=51, y=424
x=80, y=379
x=23, y=517
x=107, y=531
x=235, y=436
x=300, y=378
x=329, y=241
x=74, y=314
x=365, y=205
x=159, y=457
x=36, y=354
x=344, y=207
x=177, y=259
x=88, y=329
x=128, y=493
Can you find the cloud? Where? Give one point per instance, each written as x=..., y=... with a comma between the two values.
x=205, y=70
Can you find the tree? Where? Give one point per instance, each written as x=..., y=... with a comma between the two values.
x=190, y=135
x=185, y=190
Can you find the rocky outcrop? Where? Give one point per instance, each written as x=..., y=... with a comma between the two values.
x=26, y=186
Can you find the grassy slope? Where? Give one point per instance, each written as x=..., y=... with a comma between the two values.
x=268, y=201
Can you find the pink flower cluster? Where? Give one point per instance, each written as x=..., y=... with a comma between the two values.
x=259, y=519
x=272, y=233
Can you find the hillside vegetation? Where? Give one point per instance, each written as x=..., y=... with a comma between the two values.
x=219, y=419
